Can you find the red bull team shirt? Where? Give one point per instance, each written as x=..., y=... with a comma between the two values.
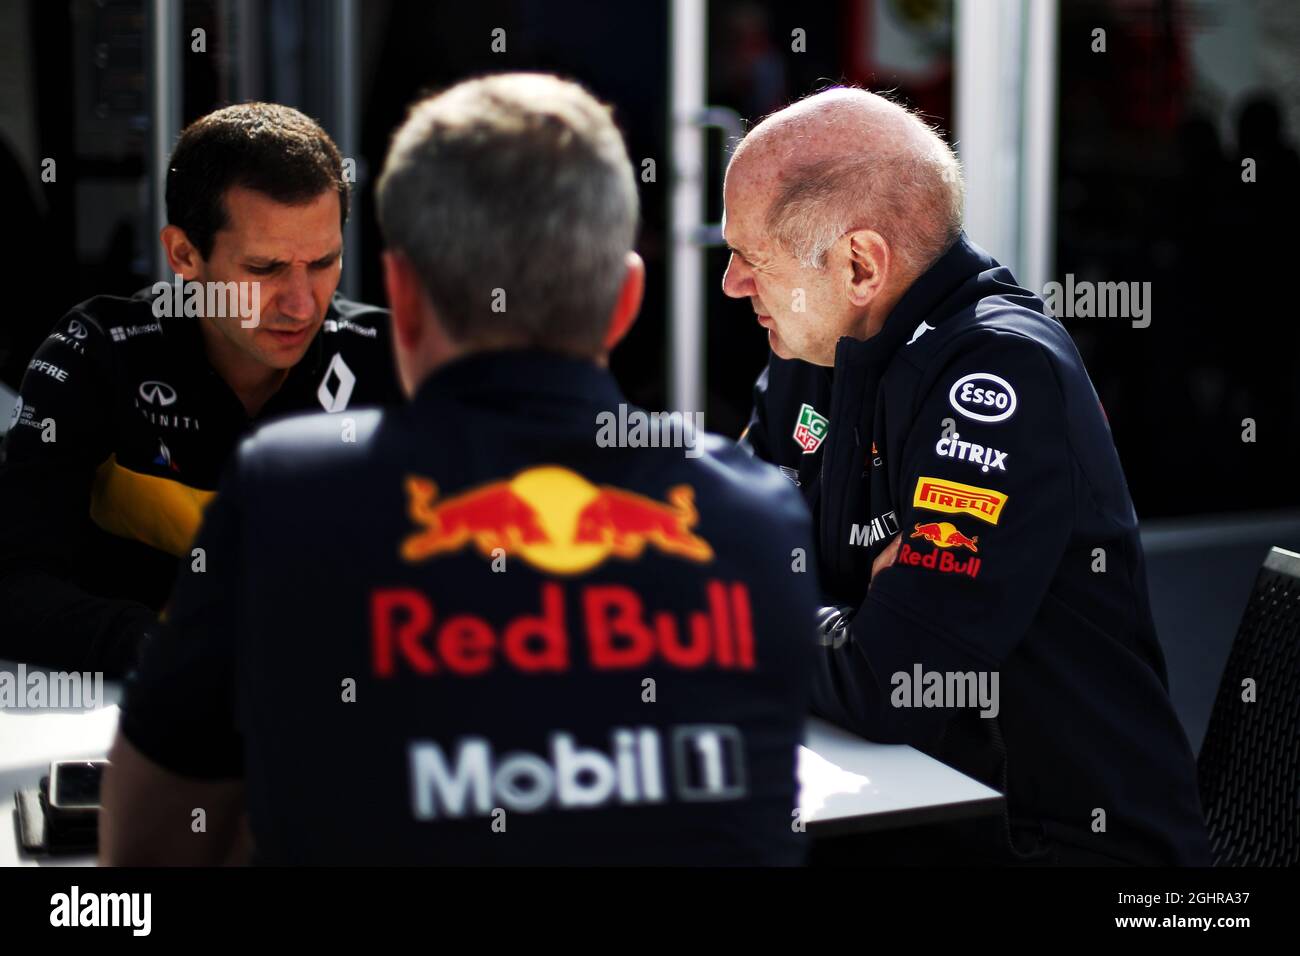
x=968, y=432
x=478, y=635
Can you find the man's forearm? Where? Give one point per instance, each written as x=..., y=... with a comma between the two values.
x=859, y=660
x=845, y=690
x=153, y=817
x=52, y=623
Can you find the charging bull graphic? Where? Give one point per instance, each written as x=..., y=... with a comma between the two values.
x=945, y=535
x=554, y=519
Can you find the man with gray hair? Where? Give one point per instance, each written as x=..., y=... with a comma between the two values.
x=509, y=643
x=974, y=524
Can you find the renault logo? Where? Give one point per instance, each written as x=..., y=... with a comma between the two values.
x=157, y=393
x=336, y=399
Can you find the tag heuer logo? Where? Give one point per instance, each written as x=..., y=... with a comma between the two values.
x=811, y=429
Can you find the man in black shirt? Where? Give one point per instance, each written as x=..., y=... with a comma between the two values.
x=974, y=525
x=132, y=406
x=485, y=630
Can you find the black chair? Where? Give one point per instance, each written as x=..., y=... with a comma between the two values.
x=1249, y=766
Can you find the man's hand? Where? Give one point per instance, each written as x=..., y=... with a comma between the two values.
x=148, y=816
x=833, y=622
x=885, y=558
x=833, y=625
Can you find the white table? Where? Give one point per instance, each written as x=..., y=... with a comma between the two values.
x=847, y=784
x=29, y=741
x=851, y=785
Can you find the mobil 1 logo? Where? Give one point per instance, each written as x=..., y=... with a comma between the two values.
x=640, y=765
x=709, y=762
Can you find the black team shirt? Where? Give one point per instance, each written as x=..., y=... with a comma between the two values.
x=969, y=428
x=115, y=448
x=476, y=635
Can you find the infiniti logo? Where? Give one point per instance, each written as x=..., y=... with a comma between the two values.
x=77, y=330
x=157, y=393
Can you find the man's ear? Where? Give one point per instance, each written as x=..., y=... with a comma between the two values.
x=628, y=305
x=404, y=298
x=182, y=255
x=870, y=263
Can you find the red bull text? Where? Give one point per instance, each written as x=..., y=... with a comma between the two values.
x=944, y=561
x=616, y=631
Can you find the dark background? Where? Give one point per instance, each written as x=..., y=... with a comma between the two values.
x=1149, y=186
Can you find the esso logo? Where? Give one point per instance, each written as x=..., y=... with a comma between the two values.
x=983, y=397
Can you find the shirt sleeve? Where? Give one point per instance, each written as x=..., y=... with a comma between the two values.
x=985, y=509
x=61, y=431
x=179, y=709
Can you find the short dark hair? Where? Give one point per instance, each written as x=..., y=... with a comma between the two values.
x=270, y=148
x=517, y=180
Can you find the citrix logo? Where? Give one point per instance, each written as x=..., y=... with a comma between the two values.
x=973, y=452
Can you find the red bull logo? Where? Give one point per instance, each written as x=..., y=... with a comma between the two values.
x=554, y=519
x=597, y=626
x=944, y=561
x=944, y=535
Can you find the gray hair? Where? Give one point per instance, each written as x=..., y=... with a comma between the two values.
x=517, y=182
x=911, y=192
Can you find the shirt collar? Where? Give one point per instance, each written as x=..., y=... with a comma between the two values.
x=937, y=293
x=525, y=372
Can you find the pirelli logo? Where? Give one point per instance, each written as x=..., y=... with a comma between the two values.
x=953, y=497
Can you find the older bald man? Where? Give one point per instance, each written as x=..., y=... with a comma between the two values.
x=945, y=433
